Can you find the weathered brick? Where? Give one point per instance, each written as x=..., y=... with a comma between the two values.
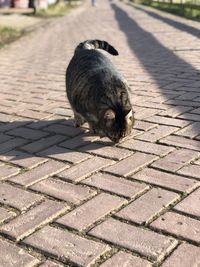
x=106, y=151
x=91, y=211
x=76, y=249
x=191, y=204
x=82, y=170
x=157, y=133
x=167, y=121
x=184, y=256
x=13, y=256
x=5, y=214
x=176, y=159
x=28, y=222
x=39, y=173
x=33, y=114
x=145, y=242
x=179, y=225
x=191, y=170
x=65, y=191
x=174, y=111
x=49, y=263
x=27, y=133
x=11, y=144
x=64, y=154
x=64, y=129
x=116, y=185
x=146, y=147
x=43, y=143
x=123, y=259
x=167, y=180
x=6, y=171
x=190, y=131
x=79, y=141
x=180, y=141
x=131, y=164
x=153, y=202
x=17, y=198
x=22, y=159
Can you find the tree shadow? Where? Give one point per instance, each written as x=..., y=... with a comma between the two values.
x=155, y=58
x=176, y=24
x=45, y=138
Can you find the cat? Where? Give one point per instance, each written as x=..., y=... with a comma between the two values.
x=97, y=92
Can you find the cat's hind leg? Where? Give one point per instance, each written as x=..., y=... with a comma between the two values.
x=78, y=120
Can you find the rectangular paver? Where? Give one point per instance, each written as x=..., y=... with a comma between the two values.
x=67, y=246
x=91, y=211
x=26, y=223
x=133, y=238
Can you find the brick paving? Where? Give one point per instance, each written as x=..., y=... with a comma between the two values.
x=69, y=198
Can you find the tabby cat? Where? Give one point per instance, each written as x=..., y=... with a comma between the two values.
x=98, y=94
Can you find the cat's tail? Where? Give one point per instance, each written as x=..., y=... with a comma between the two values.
x=97, y=44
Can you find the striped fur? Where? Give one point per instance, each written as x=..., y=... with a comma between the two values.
x=97, y=44
x=97, y=92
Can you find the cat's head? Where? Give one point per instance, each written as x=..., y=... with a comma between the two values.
x=116, y=125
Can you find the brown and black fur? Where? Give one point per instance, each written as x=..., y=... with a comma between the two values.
x=97, y=92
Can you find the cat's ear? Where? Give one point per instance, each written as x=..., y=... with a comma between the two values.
x=109, y=117
x=128, y=111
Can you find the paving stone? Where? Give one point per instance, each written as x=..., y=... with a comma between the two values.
x=49, y=263
x=143, y=125
x=106, y=151
x=5, y=214
x=33, y=114
x=156, y=134
x=179, y=225
x=77, y=250
x=123, y=259
x=27, y=133
x=64, y=129
x=74, y=194
x=12, y=256
x=184, y=256
x=116, y=185
x=28, y=222
x=176, y=159
x=131, y=164
x=22, y=159
x=190, y=204
x=180, y=141
x=174, y=111
x=61, y=153
x=147, y=147
x=191, y=170
x=166, y=180
x=82, y=170
x=6, y=171
x=39, y=173
x=78, y=141
x=11, y=144
x=91, y=211
x=190, y=131
x=167, y=121
x=43, y=143
x=23, y=200
x=145, y=242
x=4, y=138
x=152, y=202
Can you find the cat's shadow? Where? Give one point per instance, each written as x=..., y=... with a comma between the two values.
x=45, y=138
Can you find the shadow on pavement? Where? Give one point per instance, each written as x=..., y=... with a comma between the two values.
x=46, y=138
x=156, y=59
x=176, y=24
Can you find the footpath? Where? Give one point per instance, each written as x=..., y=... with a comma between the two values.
x=68, y=198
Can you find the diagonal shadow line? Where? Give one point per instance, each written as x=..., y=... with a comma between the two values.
x=66, y=139
x=150, y=52
x=176, y=24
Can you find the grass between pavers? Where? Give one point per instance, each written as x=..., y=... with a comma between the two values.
x=9, y=34
x=186, y=10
